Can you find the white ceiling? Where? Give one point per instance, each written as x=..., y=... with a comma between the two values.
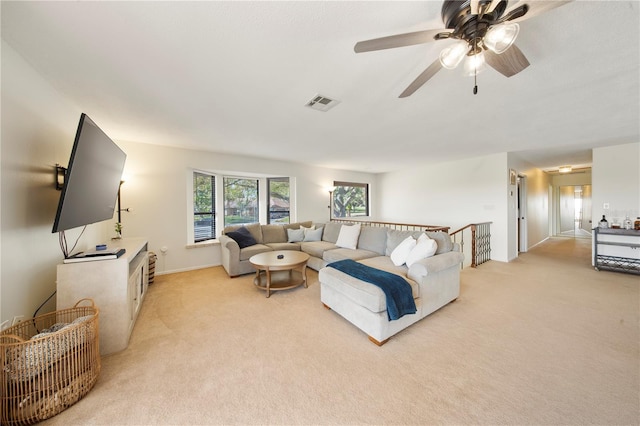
x=234, y=77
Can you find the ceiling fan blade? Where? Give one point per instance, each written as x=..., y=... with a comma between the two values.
x=399, y=40
x=508, y=63
x=536, y=8
x=422, y=78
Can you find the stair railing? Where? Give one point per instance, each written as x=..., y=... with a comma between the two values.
x=480, y=242
x=396, y=226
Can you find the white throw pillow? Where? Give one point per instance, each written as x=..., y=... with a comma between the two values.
x=400, y=253
x=312, y=234
x=423, y=249
x=348, y=237
x=295, y=235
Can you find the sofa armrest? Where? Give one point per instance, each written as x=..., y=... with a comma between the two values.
x=229, y=255
x=229, y=244
x=434, y=264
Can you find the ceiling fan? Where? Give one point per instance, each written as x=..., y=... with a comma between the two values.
x=484, y=31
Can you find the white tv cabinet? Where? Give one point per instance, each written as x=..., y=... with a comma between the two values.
x=117, y=286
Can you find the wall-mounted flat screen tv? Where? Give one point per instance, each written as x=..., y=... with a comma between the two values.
x=92, y=179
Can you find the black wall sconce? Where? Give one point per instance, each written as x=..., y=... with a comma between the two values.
x=60, y=172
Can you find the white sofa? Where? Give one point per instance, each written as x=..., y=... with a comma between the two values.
x=435, y=282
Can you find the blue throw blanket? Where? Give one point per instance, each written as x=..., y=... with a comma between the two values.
x=396, y=289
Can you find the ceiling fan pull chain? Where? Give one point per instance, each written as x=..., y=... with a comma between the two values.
x=475, y=81
x=475, y=70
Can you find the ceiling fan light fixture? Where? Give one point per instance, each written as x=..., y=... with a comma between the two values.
x=451, y=56
x=474, y=64
x=500, y=37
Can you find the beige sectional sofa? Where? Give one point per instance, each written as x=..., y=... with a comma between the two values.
x=434, y=281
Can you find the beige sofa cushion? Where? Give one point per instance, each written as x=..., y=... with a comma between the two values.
x=331, y=232
x=317, y=248
x=274, y=234
x=255, y=229
x=373, y=238
x=442, y=239
x=362, y=293
x=395, y=237
x=247, y=252
x=344, y=253
x=297, y=225
x=284, y=246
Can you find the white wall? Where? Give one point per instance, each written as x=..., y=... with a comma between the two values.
x=38, y=127
x=453, y=194
x=537, y=204
x=616, y=181
x=156, y=189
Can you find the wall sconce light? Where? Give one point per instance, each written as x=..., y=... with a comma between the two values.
x=60, y=172
x=120, y=210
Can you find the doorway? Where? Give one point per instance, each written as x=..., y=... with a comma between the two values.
x=574, y=214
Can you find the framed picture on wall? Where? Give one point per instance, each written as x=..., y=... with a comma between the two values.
x=512, y=176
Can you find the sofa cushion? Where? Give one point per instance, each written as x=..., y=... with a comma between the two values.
x=295, y=235
x=331, y=232
x=297, y=225
x=425, y=247
x=247, y=252
x=443, y=240
x=373, y=238
x=256, y=231
x=311, y=234
x=348, y=237
x=364, y=294
x=284, y=246
x=317, y=248
x=343, y=253
x=395, y=237
x=401, y=252
x=273, y=234
x=242, y=236
x=385, y=263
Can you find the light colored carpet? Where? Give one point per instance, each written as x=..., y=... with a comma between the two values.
x=545, y=339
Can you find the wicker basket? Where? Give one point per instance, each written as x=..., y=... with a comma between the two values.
x=48, y=363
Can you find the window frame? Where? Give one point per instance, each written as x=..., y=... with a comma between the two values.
x=211, y=212
x=367, y=202
x=269, y=211
x=263, y=201
x=224, y=199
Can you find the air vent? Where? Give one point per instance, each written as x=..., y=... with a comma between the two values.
x=322, y=103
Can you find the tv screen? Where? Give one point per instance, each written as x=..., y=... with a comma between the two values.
x=92, y=178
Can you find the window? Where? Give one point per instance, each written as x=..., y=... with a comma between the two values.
x=240, y=201
x=215, y=201
x=204, y=207
x=278, y=197
x=350, y=199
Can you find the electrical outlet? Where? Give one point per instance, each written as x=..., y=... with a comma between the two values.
x=17, y=319
x=4, y=325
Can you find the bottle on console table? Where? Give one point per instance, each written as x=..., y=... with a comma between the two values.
x=627, y=223
x=603, y=222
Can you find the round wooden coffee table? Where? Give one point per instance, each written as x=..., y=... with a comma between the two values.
x=280, y=270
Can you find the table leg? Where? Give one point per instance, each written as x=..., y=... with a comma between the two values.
x=268, y=282
x=304, y=275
